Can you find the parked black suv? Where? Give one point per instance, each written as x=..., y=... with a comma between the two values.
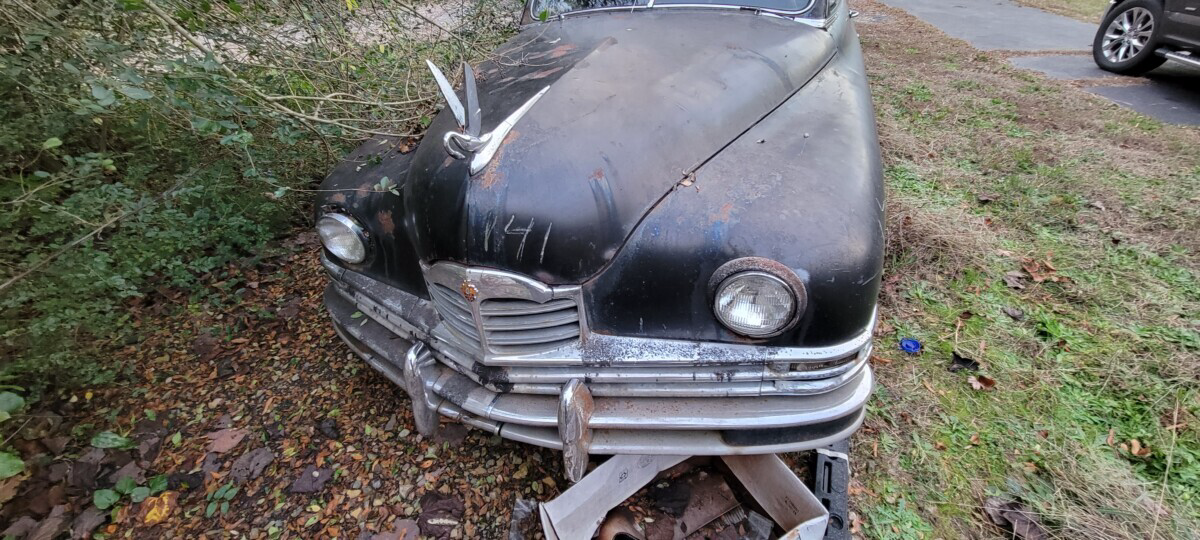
x=1137, y=36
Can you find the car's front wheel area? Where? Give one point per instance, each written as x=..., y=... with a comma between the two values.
x=1128, y=36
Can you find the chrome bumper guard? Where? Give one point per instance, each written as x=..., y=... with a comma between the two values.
x=608, y=394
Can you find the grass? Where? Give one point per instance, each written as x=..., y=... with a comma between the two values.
x=1084, y=10
x=1092, y=422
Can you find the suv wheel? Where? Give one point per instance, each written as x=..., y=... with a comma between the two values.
x=1128, y=36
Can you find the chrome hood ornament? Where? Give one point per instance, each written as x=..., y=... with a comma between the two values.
x=469, y=138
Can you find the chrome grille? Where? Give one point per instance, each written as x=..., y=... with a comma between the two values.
x=517, y=315
x=456, y=311
x=517, y=326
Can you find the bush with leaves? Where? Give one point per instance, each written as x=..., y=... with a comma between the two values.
x=147, y=143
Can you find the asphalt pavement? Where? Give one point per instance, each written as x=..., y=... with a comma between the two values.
x=1060, y=47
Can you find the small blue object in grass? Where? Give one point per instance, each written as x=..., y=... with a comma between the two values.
x=910, y=345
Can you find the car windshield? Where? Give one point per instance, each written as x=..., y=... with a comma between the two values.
x=541, y=9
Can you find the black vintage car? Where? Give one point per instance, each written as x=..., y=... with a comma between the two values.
x=1137, y=36
x=643, y=227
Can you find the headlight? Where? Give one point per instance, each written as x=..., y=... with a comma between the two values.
x=343, y=237
x=755, y=304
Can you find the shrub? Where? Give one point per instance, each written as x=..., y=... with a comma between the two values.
x=145, y=144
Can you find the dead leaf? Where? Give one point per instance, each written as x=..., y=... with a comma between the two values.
x=8, y=488
x=981, y=382
x=985, y=198
x=311, y=480
x=1042, y=271
x=1015, y=517
x=1014, y=313
x=439, y=515
x=225, y=439
x=157, y=509
x=402, y=529
x=50, y=527
x=1015, y=280
x=251, y=464
x=86, y=522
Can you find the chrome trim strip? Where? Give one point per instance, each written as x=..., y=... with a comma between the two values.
x=654, y=413
x=595, y=349
x=697, y=426
x=1182, y=58
x=788, y=14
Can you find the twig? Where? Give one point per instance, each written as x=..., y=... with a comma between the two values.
x=304, y=118
x=1162, y=495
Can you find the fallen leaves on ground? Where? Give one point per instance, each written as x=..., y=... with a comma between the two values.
x=981, y=382
x=1042, y=271
x=294, y=400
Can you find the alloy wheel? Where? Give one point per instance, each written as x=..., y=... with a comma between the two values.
x=1128, y=34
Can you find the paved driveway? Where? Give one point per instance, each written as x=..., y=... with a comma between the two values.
x=1060, y=47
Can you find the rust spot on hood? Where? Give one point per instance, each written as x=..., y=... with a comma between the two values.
x=387, y=225
x=561, y=50
x=722, y=215
x=339, y=198
x=491, y=174
x=541, y=74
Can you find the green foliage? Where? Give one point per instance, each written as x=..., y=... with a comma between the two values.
x=105, y=498
x=108, y=439
x=10, y=465
x=9, y=403
x=136, y=163
x=125, y=485
x=897, y=520
x=219, y=500
x=158, y=484
x=128, y=487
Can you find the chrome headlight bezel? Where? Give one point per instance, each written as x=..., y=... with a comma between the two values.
x=351, y=228
x=758, y=268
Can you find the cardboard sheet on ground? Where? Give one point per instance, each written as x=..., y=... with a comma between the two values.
x=578, y=511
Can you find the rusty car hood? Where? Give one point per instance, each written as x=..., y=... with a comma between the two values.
x=636, y=102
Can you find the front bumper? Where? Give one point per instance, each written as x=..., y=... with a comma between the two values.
x=625, y=395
